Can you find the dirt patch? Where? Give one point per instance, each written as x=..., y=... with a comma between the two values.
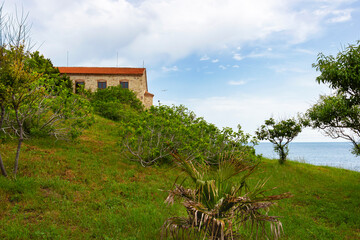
x=69, y=175
x=322, y=169
x=32, y=148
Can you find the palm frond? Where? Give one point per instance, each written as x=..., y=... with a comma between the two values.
x=219, y=208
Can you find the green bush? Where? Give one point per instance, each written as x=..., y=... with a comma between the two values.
x=150, y=137
x=116, y=103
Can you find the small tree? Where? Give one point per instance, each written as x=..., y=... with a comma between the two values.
x=23, y=94
x=33, y=97
x=34, y=104
x=14, y=35
x=338, y=116
x=280, y=134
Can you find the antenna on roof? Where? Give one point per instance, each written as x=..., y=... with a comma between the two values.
x=143, y=64
x=67, y=58
x=117, y=59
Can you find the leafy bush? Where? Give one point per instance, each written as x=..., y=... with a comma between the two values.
x=116, y=103
x=149, y=137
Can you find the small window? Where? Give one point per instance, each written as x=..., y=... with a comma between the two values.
x=79, y=86
x=101, y=85
x=124, y=84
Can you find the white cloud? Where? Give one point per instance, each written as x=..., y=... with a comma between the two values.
x=205, y=58
x=286, y=68
x=341, y=16
x=215, y=61
x=333, y=14
x=237, y=57
x=237, y=83
x=170, y=69
x=307, y=51
x=164, y=31
x=222, y=67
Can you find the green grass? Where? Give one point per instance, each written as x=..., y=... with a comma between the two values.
x=88, y=190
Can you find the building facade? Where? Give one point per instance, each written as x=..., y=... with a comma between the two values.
x=94, y=78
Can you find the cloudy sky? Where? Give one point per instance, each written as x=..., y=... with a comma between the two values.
x=231, y=61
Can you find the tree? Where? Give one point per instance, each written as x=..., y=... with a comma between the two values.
x=338, y=115
x=22, y=92
x=3, y=102
x=34, y=100
x=280, y=134
x=36, y=104
x=43, y=66
x=14, y=33
x=221, y=204
x=337, y=118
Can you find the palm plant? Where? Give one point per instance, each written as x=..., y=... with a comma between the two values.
x=220, y=206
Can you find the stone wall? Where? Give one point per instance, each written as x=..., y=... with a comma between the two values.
x=137, y=83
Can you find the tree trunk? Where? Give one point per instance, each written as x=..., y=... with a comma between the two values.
x=16, y=164
x=2, y=167
x=21, y=138
x=3, y=171
x=283, y=155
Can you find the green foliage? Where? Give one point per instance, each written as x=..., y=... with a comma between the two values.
x=280, y=134
x=337, y=118
x=338, y=115
x=116, y=103
x=149, y=137
x=342, y=72
x=42, y=102
x=44, y=67
x=35, y=102
x=221, y=206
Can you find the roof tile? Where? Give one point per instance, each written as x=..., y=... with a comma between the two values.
x=102, y=70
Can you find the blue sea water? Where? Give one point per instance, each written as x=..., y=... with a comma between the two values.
x=334, y=154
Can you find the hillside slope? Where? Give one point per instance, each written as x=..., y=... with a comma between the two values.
x=88, y=190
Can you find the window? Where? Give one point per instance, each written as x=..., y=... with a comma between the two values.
x=102, y=84
x=78, y=86
x=124, y=84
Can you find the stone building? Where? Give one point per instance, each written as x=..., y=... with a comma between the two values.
x=93, y=78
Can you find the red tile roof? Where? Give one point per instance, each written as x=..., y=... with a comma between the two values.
x=102, y=70
x=148, y=94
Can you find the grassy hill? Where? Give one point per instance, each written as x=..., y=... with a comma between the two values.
x=88, y=190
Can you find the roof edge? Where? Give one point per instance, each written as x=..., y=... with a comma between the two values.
x=102, y=70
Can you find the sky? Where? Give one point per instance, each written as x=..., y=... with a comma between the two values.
x=230, y=61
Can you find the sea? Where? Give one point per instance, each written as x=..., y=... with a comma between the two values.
x=334, y=154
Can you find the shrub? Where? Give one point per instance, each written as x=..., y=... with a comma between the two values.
x=149, y=137
x=115, y=103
